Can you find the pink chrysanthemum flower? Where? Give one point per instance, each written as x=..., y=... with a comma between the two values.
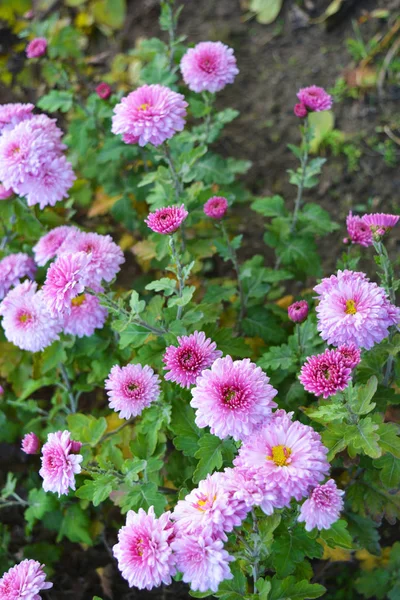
x=358, y=230
x=186, y=361
x=286, y=453
x=13, y=268
x=315, y=98
x=232, y=398
x=300, y=110
x=351, y=355
x=59, y=464
x=152, y=114
x=66, y=278
x=86, y=315
x=209, y=66
x=352, y=309
x=48, y=245
x=50, y=185
x=246, y=487
x=1, y=390
x=13, y=113
x=144, y=551
x=27, y=322
x=5, y=192
x=380, y=222
x=36, y=47
x=105, y=256
x=30, y=443
x=298, y=311
x=167, y=220
x=24, y=581
x=202, y=560
x=325, y=374
x=131, y=389
x=103, y=90
x=208, y=507
x=323, y=507
x=216, y=207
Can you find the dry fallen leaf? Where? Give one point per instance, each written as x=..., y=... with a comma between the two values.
x=102, y=203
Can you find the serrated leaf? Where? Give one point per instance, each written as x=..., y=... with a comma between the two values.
x=75, y=526
x=290, y=589
x=165, y=284
x=389, y=439
x=270, y=206
x=363, y=437
x=278, y=357
x=185, y=429
x=360, y=399
x=40, y=503
x=290, y=547
x=98, y=489
x=143, y=496
x=56, y=100
x=337, y=535
x=209, y=455
x=322, y=124
x=390, y=471
x=266, y=10
x=137, y=305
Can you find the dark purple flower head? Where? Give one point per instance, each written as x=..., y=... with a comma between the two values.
x=216, y=207
x=167, y=220
x=315, y=99
x=103, y=90
x=298, y=311
x=300, y=110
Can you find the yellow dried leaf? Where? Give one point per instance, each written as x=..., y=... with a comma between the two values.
x=144, y=251
x=106, y=576
x=285, y=301
x=126, y=241
x=102, y=204
x=368, y=561
x=335, y=554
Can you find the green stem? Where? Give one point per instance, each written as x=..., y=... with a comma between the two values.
x=299, y=342
x=179, y=274
x=208, y=101
x=303, y=165
x=175, y=178
x=109, y=303
x=234, y=260
x=72, y=399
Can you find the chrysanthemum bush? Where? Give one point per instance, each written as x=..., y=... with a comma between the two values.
x=240, y=434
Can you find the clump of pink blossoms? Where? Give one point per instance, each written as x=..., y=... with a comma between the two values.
x=351, y=355
x=85, y=316
x=150, y=115
x=167, y=220
x=36, y=47
x=59, y=463
x=232, y=398
x=314, y=98
x=30, y=443
x=380, y=223
x=323, y=507
x=144, y=551
x=13, y=268
x=358, y=230
x=298, y=311
x=24, y=581
x=325, y=374
x=13, y=113
x=216, y=207
x=48, y=245
x=131, y=389
x=66, y=278
x=186, y=361
x=209, y=66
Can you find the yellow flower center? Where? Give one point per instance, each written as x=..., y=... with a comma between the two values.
x=280, y=455
x=79, y=300
x=203, y=504
x=24, y=317
x=144, y=106
x=350, y=307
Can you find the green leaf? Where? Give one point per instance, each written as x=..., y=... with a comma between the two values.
x=278, y=357
x=209, y=455
x=337, y=535
x=301, y=252
x=56, y=100
x=185, y=299
x=98, y=489
x=34, y=384
x=111, y=13
x=326, y=413
x=360, y=399
x=290, y=547
x=186, y=431
x=270, y=206
x=137, y=305
x=52, y=356
x=390, y=471
x=290, y=589
x=260, y=322
x=233, y=589
x=389, y=439
x=333, y=439
x=322, y=124
x=143, y=496
x=165, y=284
x=363, y=437
x=40, y=503
x=266, y=10
x=75, y=526
x=315, y=220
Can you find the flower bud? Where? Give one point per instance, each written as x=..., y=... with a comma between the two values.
x=30, y=443
x=103, y=90
x=298, y=311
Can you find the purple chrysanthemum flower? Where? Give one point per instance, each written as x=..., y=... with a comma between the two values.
x=315, y=98
x=216, y=207
x=13, y=268
x=380, y=223
x=186, y=361
x=232, y=398
x=50, y=185
x=286, y=453
x=202, y=560
x=14, y=113
x=167, y=220
x=325, y=374
x=36, y=47
x=352, y=309
x=49, y=244
x=351, y=355
x=323, y=507
x=5, y=192
x=358, y=230
x=59, y=463
x=66, y=278
x=209, y=66
x=152, y=114
x=24, y=581
x=246, y=488
x=298, y=311
x=86, y=315
x=131, y=389
x=144, y=551
x=30, y=443
x=300, y=110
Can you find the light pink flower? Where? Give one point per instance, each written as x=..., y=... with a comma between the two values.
x=380, y=222
x=358, y=230
x=232, y=398
x=300, y=110
x=37, y=47
x=298, y=311
x=30, y=443
x=186, y=361
x=66, y=278
x=59, y=464
x=286, y=453
x=50, y=185
x=325, y=374
x=246, y=488
x=152, y=114
x=131, y=389
x=86, y=315
x=24, y=581
x=352, y=309
x=49, y=244
x=103, y=90
x=13, y=113
x=13, y=268
x=4, y=192
x=323, y=507
x=315, y=98
x=209, y=66
x=144, y=551
x=216, y=207
x=202, y=560
x=351, y=355
x=167, y=220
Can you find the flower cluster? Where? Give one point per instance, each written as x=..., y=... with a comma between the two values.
x=24, y=581
x=60, y=463
x=13, y=268
x=363, y=230
x=312, y=99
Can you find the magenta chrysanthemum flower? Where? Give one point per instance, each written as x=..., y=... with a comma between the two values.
x=358, y=230
x=325, y=374
x=167, y=220
x=352, y=309
x=24, y=581
x=50, y=185
x=66, y=278
x=300, y=110
x=13, y=268
x=298, y=311
x=216, y=207
x=186, y=361
x=27, y=322
x=315, y=98
x=5, y=192
x=103, y=90
x=152, y=114
x=86, y=315
x=202, y=560
x=350, y=354
x=380, y=222
x=30, y=443
x=1, y=390
x=131, y=389
x=13, y=113
x=59, y=464
x=36, y=47
x=209, y=66
x=232, y=398
x=286, y=453
x=323, y=507
x=144, y=551
x=48, y=245
x=105, y=256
